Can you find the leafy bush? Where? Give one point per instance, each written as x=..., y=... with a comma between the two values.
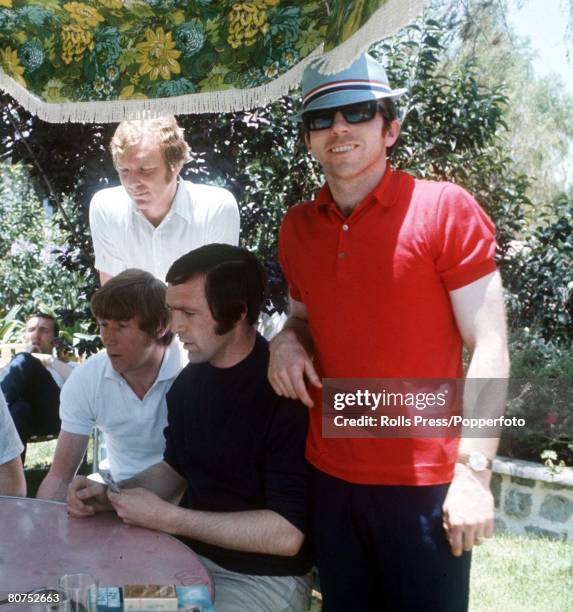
x=31, y=250
x=543, y=373
x=538, y=275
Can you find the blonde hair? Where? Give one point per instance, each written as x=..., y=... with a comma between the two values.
x=169, y=135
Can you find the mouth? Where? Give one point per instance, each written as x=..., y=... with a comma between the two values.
x=343, y=148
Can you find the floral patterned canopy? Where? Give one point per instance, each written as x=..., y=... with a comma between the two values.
x=105, y=60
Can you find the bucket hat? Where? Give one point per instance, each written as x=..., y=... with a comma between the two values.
x=364, y=80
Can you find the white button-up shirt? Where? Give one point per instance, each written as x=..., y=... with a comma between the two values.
x=123, y=238
x=95, y=394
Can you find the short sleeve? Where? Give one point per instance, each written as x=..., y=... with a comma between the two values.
x=224, y=223
x=285, y=468
x=283, y=248
x=464, y=242
x=77, y=401
x=10, y=444
x=107, y=247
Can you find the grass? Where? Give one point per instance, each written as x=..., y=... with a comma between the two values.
x=509, y=573
x=519, y=574
x=39, y=458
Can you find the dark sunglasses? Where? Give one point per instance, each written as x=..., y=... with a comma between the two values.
x=352, y=113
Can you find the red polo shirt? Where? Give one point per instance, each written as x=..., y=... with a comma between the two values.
x=375, y=285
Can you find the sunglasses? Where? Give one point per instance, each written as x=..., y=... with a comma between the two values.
x=352, y=113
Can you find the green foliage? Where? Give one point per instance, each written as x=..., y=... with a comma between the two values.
x=543, y=396
x=538, y=274
x=30, y=251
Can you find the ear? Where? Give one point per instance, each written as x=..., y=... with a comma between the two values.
x=161, y=331
x=307, y=141
x=391, y=132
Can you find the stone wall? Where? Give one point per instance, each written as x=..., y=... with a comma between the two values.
x=531, y=500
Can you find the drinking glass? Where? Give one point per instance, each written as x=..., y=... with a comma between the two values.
x=81, y=591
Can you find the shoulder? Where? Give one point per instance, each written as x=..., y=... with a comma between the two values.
x=110, y=200
x=300, y=216
x=90, y=371
x=441, y=193
x=209, y=194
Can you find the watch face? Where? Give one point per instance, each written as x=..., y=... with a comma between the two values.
x=477, y=461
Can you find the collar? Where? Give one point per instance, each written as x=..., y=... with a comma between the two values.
x=179, y=205
x=384, y=194
x=170, y=367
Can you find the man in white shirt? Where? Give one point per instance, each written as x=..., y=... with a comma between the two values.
x=154, y=217
x=31, y=382
x=120, y=390
x=12, y=481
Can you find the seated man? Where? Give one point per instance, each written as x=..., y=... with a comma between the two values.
x=235, y=450
x=31, y=382
x=12, y=481
x=120, y=390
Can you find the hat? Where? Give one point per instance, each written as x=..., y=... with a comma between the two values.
x=364, y=80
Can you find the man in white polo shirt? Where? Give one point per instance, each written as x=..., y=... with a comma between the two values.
x=12, y=481
x=154, y=217
x=120, y=390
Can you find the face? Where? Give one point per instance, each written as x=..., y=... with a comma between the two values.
x=192, y=321
x=39, y=334
x=146, y=177
x=352, y=150
x=129, y=348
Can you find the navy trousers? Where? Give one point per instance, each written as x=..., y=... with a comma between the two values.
x=383, y=548
x=33, y=397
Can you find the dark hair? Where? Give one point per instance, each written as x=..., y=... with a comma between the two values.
x=235, y=281
x=45, y=315
x=135, y=293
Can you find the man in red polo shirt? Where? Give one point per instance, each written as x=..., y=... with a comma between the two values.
x=389, y=277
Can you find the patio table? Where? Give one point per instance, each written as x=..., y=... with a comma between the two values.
x=39, y=542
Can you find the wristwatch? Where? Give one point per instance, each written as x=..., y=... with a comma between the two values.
x=475, y=460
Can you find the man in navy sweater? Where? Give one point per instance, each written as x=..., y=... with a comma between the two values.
x=234, y=454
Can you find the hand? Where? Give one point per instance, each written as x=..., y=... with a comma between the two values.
x=468, y=510
x=44, y=358
x=86, y=497
x=288, y=365
x=141, y=507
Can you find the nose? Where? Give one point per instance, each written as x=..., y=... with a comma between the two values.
x=339, y=123
x=131, y=180
x=176, y=321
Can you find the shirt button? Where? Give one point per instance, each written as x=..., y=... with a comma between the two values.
x=341, y=255
x=345, y=227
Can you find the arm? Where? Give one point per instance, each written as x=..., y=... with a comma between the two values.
x=67, y=458
x=103, y=221
x=12, y=480
x=290, y=359
x=480, y=316
x=261, y=531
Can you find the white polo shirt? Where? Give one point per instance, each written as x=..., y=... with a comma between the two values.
x=95, y=394
x=123, y=238
x=10, y=444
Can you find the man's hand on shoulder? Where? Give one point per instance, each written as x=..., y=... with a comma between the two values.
x=468, y=509
x=289, y=364
x=142, y=508
x=86, y=498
